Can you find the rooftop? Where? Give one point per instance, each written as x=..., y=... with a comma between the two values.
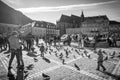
x=114, y=22
x=77, y=19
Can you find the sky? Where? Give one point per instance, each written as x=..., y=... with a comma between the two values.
x=51, y=10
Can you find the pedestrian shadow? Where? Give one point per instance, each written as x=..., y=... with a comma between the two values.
x=31, y=54
x=116, y=77
x=30, y=67
x=11, y=76
x=3, y=77
x=7, y=52
x=45, y=76
x=21, y=74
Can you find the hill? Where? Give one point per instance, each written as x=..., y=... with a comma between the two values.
x=11, y=16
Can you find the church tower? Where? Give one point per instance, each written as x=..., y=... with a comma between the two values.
x=82, y=16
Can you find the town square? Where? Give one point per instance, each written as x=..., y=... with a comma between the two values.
x=70, y=40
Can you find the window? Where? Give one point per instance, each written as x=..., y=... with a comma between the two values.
x=37, y=25
x=41, y=25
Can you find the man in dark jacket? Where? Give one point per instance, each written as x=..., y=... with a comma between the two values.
x=100, y=61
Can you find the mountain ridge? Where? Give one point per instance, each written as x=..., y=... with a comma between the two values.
x=11, y=16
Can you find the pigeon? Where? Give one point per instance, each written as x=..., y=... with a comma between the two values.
x=45, y=76
x=74, y=57
x=25, y=71
x=30, y=67
x=8, y=56
x=118, y=56
x=35, y=60
x=69, y=51
x=82, y=55
x=88, y=56
x=47, y=60
x=55, y=51
x=57, y=48
x=60, y=58
x=77, y=51
x=76, y=66
x=61, y=55
x=26, y=75
x=64, y=49
x=63, y=61
x=32, y=49
x=104, y=52
x=72, y=49
x=85, y=52
x=47, y=49
x=106, y=58
x=49, y=52
x=66, y=54
x=56, y=55
x=113, y=55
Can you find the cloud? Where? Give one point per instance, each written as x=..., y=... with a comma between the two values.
x=61, y=8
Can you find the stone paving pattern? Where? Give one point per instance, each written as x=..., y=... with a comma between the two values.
x=57, y=71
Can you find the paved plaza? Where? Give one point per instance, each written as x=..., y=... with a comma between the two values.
x=76, y=66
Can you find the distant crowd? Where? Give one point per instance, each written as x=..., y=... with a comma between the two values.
x=83, y=41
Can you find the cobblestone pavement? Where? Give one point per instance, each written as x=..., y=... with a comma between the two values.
x=3, y=72
x=58, y=71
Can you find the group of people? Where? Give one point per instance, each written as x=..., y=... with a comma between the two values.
x=4, y=43
x=112, y=42
x=16, y=43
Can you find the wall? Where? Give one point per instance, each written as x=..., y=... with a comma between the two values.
x=41, y=32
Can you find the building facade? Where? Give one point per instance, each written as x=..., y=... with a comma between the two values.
x=39, y=29
x=39, y=32
x=90, y=26
x=73, y=31
x=52, y=30
x=114, y=28
x=66, y=22
x=45, y=29
x=96, y=25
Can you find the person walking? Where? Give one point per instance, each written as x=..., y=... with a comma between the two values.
x=82, y=43
x=100, y=61
x=16, y=50
x=94, y=42
x=37, y=41
x=42, y=49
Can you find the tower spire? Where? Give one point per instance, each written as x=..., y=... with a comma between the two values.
x=82, y=16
